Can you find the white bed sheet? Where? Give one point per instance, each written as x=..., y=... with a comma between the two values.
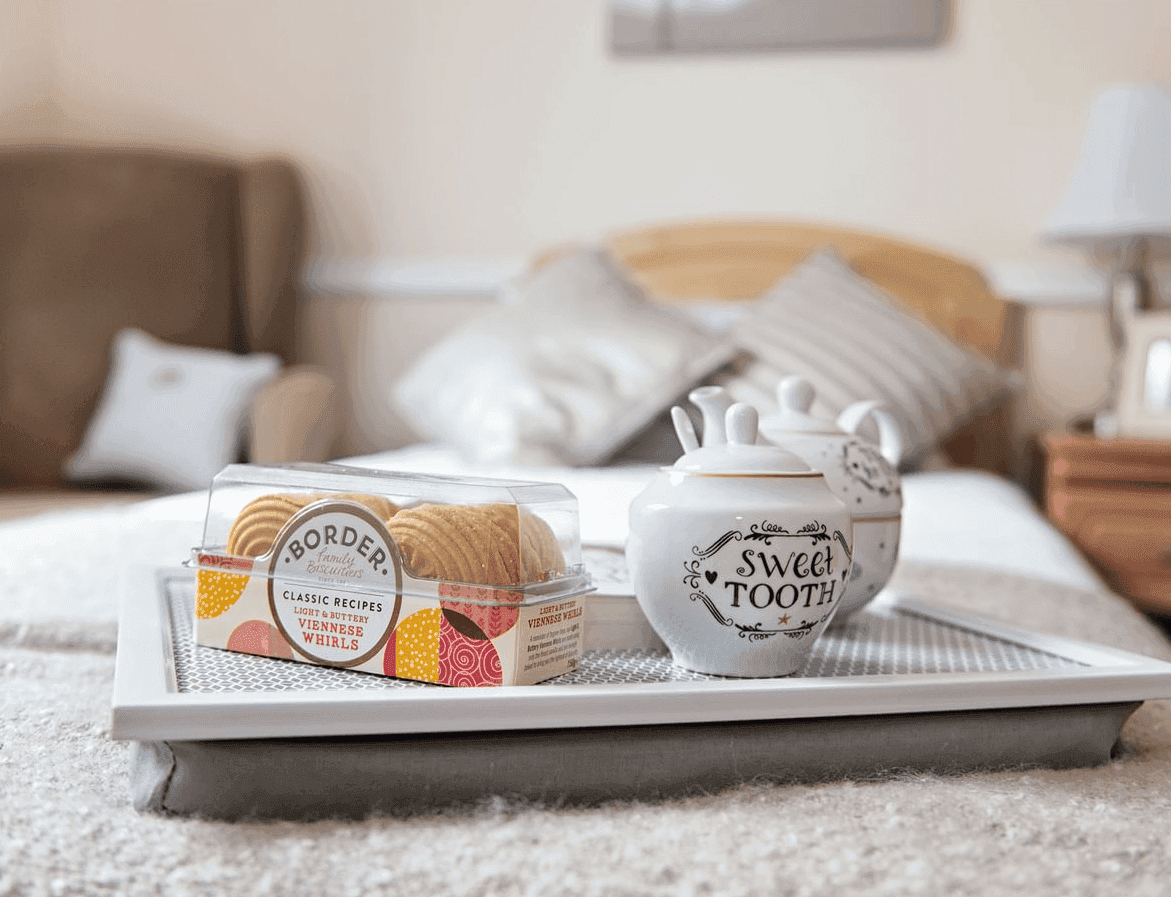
x=978, y=519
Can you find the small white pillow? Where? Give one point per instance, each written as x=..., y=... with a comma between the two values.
x=841, y=332
x=170, y=416
x=566, y=372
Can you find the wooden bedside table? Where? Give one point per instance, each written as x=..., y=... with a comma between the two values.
x=1113, y=499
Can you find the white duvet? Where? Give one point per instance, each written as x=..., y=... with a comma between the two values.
x=955, y=516
x=67, y=566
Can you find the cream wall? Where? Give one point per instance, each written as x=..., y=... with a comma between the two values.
x=465, y=127
x=490, y=128
x=26, y=71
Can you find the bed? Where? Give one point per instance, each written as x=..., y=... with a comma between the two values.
x=68, y=815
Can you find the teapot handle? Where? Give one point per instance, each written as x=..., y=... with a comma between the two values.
x=890, y=437
x=713, y=403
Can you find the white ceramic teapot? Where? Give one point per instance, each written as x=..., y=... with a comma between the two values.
x=739, y=553
x=861, y=473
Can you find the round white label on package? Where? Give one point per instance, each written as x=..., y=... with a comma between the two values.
x=335, y=585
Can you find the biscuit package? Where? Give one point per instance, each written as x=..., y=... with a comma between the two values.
x=453, y=580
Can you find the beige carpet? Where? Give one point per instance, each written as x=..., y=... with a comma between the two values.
x=67, y=827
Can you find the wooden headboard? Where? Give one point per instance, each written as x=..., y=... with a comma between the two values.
x=739, y=260
x=742, y=259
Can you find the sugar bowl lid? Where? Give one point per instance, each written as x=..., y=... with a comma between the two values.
x=735, y=453
x=794, y=399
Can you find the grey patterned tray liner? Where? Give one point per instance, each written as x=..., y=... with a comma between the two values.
x=873, y=642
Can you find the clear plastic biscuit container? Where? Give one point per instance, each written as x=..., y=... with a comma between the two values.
x=452, y=580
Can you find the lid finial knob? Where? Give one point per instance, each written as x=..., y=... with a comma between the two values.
x=741, y=423
x=795, y=393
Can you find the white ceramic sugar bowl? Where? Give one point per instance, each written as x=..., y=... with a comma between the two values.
x=739, y=553
x=861, y=473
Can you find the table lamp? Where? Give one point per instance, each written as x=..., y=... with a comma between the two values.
x=1118, y=202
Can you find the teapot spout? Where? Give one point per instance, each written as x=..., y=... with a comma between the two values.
x=870, y=420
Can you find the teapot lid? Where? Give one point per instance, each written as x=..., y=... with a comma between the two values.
x=739, y=453
x=794, y=399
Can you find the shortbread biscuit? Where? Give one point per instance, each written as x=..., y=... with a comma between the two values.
x=256, y=526
x=260, y=521
x=494, y=544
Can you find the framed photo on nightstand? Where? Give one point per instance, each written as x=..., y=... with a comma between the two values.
x=1144, y=399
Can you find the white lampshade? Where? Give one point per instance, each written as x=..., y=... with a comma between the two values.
x=1121, y=186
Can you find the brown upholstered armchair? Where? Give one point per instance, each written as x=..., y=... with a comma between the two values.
x=196, y=251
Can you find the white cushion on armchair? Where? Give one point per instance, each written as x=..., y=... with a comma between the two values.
x=171, y=417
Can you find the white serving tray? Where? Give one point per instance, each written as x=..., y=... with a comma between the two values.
x=902, y=656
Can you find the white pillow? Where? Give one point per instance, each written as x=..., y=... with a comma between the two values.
x=567, y=371
x=827, y=323
x=170, y=416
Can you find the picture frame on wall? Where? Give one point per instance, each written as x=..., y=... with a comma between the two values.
x=1144, y=399
x=647, y=27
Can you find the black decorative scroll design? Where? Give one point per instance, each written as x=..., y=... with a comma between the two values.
x=756, y=633
x=765, y=532
x=841, y=540
x=699, y=595
x=716, y=545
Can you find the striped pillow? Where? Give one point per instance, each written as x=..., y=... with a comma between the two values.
x=841, y=332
